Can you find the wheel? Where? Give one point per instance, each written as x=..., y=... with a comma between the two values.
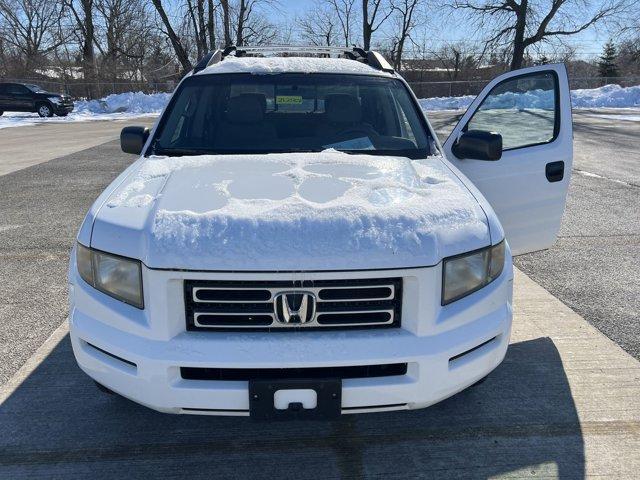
x=45, y=110
x=1, y=112
x=103, y=389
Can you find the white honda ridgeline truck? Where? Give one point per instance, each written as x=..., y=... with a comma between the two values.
x=294, y=241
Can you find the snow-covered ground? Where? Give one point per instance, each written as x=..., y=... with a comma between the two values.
x=626, y=115
x=117, y=106
x=136, y=104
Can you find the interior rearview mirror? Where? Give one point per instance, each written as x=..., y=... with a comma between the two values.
x=132, y=139
x=478, y=145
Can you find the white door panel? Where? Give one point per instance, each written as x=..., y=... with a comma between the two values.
x=527, y=187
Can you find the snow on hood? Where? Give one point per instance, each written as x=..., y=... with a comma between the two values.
x=304, y=211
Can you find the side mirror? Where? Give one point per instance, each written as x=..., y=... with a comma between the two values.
x=132, y=139
x=478, y=145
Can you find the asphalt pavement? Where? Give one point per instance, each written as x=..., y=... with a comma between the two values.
x=41, y=208
x=563, y=403
x=25, y=146
x=593, y=268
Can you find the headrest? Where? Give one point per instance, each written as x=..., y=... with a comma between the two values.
x=246, y=108
x=342, y=108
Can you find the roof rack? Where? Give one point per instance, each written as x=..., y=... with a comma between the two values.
x=374, y=59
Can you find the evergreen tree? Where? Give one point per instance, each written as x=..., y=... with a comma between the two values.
x=607, y=65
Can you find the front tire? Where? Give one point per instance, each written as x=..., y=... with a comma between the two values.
x=1, y=112
x=45, y=110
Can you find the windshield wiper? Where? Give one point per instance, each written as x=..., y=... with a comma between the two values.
x=178, y=152
x=413, y=154
x=194, y=151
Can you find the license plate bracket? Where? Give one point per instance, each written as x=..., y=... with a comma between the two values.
x=262, y=399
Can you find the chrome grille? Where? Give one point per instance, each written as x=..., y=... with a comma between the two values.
x=230, y=305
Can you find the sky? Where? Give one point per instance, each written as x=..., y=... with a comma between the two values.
x=589, y=43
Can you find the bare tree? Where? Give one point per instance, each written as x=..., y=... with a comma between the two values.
x=82, y=12
x=457, y=59
x=211, y=23
x=344, y=11
x=521, y=24
x=196, y=15
x=405, y=15
x=32, y=28
x=374, y=14
x=177, y=44
x=318, y=25
x=629, y=58
x=226, y=20
x=251, y=26
x=125, y=31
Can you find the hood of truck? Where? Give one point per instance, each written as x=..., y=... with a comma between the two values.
x=293, y=212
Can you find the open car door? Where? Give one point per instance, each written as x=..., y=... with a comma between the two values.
x=527, y=186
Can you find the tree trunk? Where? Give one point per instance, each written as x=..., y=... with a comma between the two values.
x=196, y=30
x=518, y=41
x=181, y=53
x=397, y=59
x=227, y=22
x=88, y=58
x=456, y=64
x=211, y=26
x=202, y=34
x=240, y=31
x=366, y=27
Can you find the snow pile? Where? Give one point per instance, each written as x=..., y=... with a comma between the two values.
x=300, y=211
x=609, y=96
x=133, y=103
x=446, y=103
x=112, y=107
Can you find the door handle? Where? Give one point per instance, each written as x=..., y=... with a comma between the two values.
x=554, y=171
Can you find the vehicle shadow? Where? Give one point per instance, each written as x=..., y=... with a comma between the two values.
x=522, y=420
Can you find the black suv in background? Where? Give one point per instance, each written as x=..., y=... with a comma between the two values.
x=22, y=97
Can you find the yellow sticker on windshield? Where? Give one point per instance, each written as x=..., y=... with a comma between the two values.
x=289, y=99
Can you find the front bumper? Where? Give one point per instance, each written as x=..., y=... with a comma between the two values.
x=143, y=363
x=62, y=108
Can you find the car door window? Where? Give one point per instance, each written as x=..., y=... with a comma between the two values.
x=522, y=109
x=17, y=90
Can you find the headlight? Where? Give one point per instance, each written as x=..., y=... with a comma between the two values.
x=464, y=274
x=54, y=99
x=116, y=276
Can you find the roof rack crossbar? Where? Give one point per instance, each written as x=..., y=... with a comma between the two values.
x=295, y=49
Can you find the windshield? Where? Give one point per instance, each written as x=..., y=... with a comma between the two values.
x=244, y=113
x=34, y=88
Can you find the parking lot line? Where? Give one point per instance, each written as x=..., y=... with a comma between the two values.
x=39, y=356
x=603, y=379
